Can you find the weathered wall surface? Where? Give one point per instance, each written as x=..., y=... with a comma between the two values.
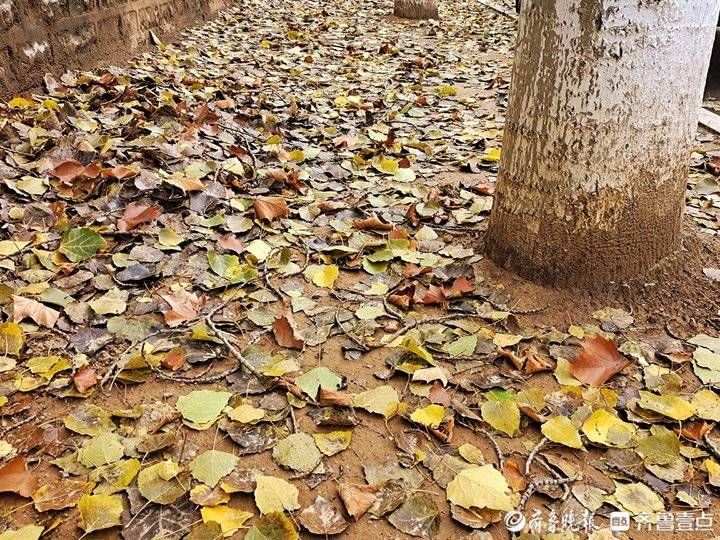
x=40, y=36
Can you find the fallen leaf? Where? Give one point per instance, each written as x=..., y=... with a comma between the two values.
x=297, y=452
x=322, y=518
x=417, y=516
x=84, y=379
x=285, y=333
x=15, y=478
x=275, y=495
x=598, y=361
x=230, y=519
x=99, y=512
x=270, y=208
x=39, y=313
x=211, y=466
x=272, y=526
x=184, y=306
x=201, y=408
x=11, y=339
x=383, y=400
x=81, y=244
x=137, y=214
x=480, y=487
x=357, y=498
x=561, y=430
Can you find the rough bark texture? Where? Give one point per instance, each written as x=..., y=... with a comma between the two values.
x=416, y=9
x=56, y=35
x=602, y=114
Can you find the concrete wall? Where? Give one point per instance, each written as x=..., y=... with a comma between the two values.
x=41, y=36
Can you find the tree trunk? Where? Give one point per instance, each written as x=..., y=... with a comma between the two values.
x=602, y=114
x=416, y=9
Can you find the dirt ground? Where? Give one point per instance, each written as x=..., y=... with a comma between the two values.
x=675, y=300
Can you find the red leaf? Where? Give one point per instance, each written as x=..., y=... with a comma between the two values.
x=285, y=334
x=270, y=208
x=15, y=478
x=85, y=378
x=598, y=361
x=135, y=214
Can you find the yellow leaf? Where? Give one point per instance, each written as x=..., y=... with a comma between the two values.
x=275, y=495
x=21, y=103
x=325, y=275
x=382, y=400
x=11, y=339
x=246, y=414
x=430, y=416
x=492, y=155
x=333, y=442
x=11, y=247
x=100, y=511
x=502, y=415
x=673, y=407
x=230, y=519
x=707, y=404
x=410, y=344
x=480, y=487
x=561, y=430
x=28, y=532
x=606, y=428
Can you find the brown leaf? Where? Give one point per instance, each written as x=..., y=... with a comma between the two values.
x=536, y=362
x=135, y=214
x=270, y=208
x=332, y=206
x=694, y=430
x=512, y=473
x=59, y=494
x=460, y=287
x=40, y=313
x=373, y=223
x=598, y=361
x=328, y=398
x=15, y=478
x=285, y=333
x=514, y=359
x=323, y=518
x=174, y=359
x=357, y=498
x=184, y=307
x=84, y=379
x=433, y=295
x=231, y=242
x=69, y=170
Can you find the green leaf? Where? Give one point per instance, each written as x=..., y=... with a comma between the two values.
x=201, y=408
x=502, y=415
x=211, y=466
x=81, y=244
x=319, y=377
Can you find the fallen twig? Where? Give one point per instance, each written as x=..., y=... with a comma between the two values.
x=539, y=446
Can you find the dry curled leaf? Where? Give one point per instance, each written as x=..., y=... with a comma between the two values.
x=27, y=308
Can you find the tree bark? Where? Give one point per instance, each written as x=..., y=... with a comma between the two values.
x=602, y=114
x=416, y=9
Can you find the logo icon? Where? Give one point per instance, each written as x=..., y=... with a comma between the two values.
x=619, y=521
x=514, y=521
